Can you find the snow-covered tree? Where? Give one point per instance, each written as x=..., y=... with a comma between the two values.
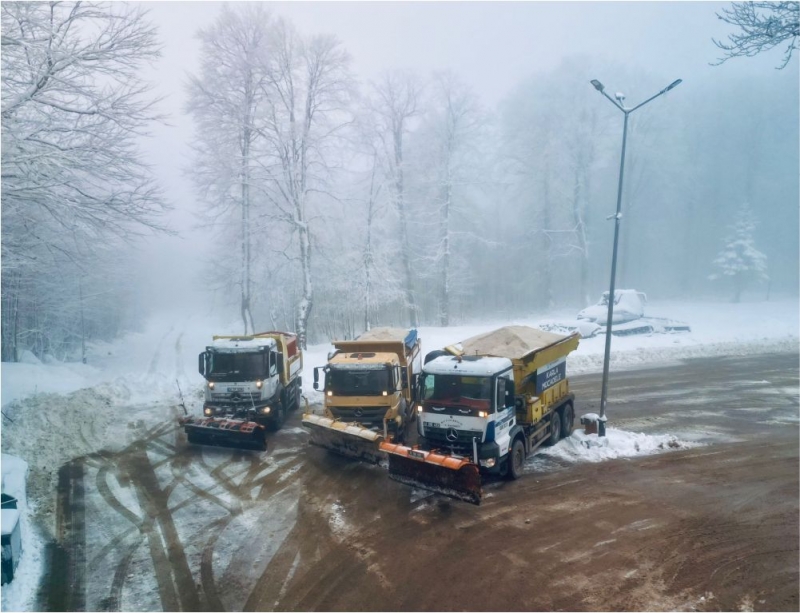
x=308, y=90
x=739, y=260
x=224, y=100
x=450, y=139
x=74, y=185
x=396, y=101
x=762, y=26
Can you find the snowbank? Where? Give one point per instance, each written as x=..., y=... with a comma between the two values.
x=580, y=447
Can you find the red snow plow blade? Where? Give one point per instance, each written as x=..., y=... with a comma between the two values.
x=222, y=432
x=450, y=475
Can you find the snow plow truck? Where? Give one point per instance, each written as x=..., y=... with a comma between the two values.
x=483, y=406
x=368, y=393
x=252, y=382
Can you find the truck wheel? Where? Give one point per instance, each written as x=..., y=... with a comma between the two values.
x=568, y=420
x=555, y=428
x=296, y=397
x=516, y=459
x=280, y=416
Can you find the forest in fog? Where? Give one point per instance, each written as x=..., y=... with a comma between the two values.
x=334, y=202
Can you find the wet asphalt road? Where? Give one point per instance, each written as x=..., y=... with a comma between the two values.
x=161, y=525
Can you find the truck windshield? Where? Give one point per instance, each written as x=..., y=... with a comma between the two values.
x=358, y=382
x=474, y=392
x=241, y=366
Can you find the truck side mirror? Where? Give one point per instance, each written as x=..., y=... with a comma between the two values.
x=404, y=376
x=316, y=378
x=202, y=361
x=416, y=391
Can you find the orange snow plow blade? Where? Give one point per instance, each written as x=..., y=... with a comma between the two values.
x=450, y=475
x=350, y=440
x=221, y=432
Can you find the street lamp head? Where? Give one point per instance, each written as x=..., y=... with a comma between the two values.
x=597, y=85
x=674, y=84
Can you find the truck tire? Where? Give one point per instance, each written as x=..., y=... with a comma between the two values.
x=276, y=423
x=295, y=396
x=516, y=460
x=555, y=428
x=567, y=420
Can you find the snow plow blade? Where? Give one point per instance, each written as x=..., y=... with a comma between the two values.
x=450, y=475
x=347, y=439
x=221, y=432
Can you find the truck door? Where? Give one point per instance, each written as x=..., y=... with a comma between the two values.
x=504, y=415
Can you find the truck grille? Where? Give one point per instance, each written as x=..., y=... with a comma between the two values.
x=236, y=397
x=463, y=444
x=363, y=415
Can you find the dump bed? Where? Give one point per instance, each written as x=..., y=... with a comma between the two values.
x=399, y=341
x=529, y=349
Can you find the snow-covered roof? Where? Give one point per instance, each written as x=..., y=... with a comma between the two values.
x=243, y=343
x=512, y=342
x=482, y=367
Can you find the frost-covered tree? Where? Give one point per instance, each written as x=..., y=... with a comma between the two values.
x=74, y=184
x=762, y=26
x=739, y=260
x=308, y=90
x=450, y=139
x=224, y=100
x=396, y=101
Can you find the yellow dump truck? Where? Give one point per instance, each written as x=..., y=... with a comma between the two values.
x=483, y=406
x=368, y=391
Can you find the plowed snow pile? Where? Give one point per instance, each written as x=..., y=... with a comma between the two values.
x=580, y=447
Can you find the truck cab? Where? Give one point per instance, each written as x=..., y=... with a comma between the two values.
x=368, y=388
x=248, y=377
x=466, y=406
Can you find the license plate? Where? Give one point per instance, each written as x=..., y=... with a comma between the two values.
x=417, y=455
x=235, y=389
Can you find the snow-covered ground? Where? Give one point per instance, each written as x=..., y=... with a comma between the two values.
x=93, y=406
x=145, y=366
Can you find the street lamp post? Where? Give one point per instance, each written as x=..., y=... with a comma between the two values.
x=617, y=101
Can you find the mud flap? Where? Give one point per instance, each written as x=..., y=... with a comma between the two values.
x=347, y=439
x=221, y=432
x=450, y=475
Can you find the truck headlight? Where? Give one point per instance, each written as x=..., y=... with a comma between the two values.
x=211, y=385
x=208, y=411
x=330, y=393
x=483, y=414
x=419, y=408
x=259, y=384
x=385, y=393
x=488, y=462
x=265, y=410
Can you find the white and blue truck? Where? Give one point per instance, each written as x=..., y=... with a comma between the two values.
x=483, y=406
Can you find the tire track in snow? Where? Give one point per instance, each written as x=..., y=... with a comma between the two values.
x=154, y=361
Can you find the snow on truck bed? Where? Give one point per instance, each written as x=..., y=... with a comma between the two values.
x=513, y=342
